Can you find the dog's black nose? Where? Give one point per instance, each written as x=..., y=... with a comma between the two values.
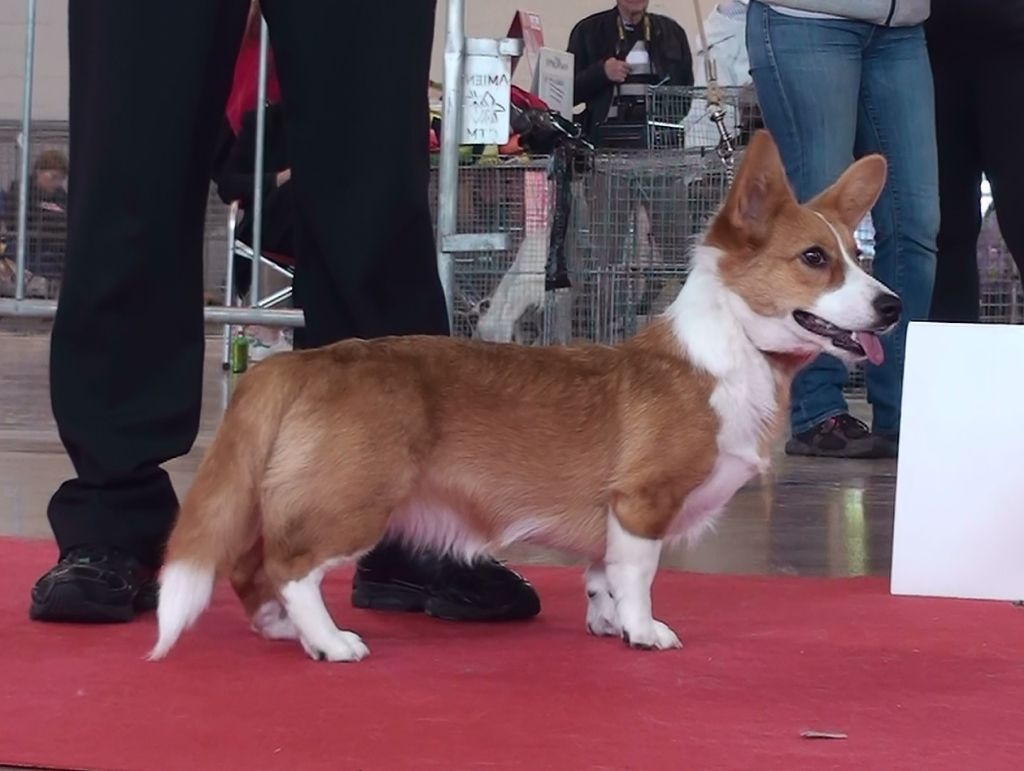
x=888, y=307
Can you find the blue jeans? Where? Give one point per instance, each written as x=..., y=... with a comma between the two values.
x=831, y=91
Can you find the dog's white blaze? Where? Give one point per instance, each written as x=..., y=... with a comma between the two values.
x=851, y=305
x=319, y=636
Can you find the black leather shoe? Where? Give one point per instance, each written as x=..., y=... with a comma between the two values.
x=92, y=585
x=394, y=578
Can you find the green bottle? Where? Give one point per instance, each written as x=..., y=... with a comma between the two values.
x=239, y=352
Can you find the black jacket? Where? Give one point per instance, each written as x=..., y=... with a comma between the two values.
x=596, y=39
x=234, y=175
x=995, y=25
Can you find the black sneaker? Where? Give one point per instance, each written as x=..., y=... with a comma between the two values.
x=92, y=585
x=392, y=578
x=840, y=437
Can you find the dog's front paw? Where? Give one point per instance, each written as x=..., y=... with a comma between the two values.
x=343, y=646
x=652, y=636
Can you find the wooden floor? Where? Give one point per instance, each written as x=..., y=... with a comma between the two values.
x=811, y=517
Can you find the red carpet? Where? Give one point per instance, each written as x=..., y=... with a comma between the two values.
x=915, y=684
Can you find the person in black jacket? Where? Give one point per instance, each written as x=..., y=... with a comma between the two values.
x=234, y=175
x=617, y=53
x=976, y=49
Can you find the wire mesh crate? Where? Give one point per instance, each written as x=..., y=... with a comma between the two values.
x=682, y=117
x=497, y=294
x=999, y=282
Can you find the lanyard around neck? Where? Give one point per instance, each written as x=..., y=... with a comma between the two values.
x=647, y=28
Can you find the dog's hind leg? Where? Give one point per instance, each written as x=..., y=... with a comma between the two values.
x=259, y=598
x=298, y=554
x=319, y=635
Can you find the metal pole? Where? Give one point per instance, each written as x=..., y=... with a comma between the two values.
x=229, y=284
x=257, y=187
x=451, y=125
x=26, y=126
x=219, y=315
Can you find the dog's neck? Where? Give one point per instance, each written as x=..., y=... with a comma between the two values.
x=706, y=319
x=705, y=322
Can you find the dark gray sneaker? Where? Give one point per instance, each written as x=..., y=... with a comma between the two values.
x=840, y=437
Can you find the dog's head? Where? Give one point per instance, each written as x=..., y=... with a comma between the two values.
x=794, y=268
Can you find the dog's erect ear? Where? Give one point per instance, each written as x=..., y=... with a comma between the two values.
x=759, y=191
x=855, y=193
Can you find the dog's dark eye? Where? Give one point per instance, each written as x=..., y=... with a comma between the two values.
x=815, y=257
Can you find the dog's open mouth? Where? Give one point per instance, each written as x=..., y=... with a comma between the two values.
x=860, y=343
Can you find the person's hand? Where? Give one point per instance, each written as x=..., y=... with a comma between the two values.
x=616, y=70
x=283, y=176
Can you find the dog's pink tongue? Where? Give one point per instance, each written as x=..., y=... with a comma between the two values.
x=872, y=347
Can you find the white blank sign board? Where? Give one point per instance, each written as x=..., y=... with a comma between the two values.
x=959, y=529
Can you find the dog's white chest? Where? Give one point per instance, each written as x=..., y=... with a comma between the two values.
x=707, y=501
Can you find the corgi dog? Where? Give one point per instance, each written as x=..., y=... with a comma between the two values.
x=463, y=446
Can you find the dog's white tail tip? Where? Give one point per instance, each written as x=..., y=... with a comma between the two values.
x=185, y=591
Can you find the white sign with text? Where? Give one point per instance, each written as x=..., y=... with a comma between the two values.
x=486, y=100
x=555, y=80
x=959, y=522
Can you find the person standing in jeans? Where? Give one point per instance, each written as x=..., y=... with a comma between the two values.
x=977, y=55
x=836, y=80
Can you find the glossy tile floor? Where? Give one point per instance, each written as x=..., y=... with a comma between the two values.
x=811, y=517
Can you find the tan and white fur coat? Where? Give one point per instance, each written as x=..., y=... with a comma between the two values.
x=465, y=446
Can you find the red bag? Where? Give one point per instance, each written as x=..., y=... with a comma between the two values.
x=524, y=100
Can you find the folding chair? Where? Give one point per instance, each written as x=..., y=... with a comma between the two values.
x=282, y=264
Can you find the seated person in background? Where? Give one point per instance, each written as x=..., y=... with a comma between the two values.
x=618, y=53
x=46, y=222
x=234, y=175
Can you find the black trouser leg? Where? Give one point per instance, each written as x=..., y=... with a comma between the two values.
x=1002, y=151
x=955, y=296
x=366, y=264
x=148, y=87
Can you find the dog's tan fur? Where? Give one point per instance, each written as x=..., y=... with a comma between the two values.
x=345, y=434
x=319, y=448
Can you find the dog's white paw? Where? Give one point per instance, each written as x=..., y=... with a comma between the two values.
x=652, y=636
x=602, y=618
x=272, y=622
x=342, y=646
